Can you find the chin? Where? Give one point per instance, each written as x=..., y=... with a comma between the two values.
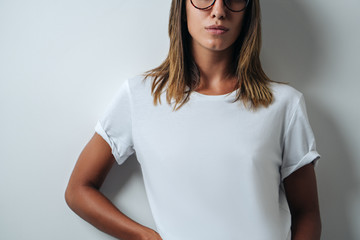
x=218, y=48
x=217, y=45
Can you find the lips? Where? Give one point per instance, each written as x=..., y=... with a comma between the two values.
x=217, y=27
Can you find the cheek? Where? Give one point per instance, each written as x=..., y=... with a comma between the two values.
x=193, y=25
x=194, y=20
x=239, y=26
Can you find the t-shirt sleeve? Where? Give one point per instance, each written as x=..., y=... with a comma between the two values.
x=299, y=146
x=115, y=124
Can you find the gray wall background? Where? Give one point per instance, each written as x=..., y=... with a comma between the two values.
x=62, y=61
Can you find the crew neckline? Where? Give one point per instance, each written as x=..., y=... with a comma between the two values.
x=214, y=97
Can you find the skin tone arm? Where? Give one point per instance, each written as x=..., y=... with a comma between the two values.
x=83, y=196
x=301, y=192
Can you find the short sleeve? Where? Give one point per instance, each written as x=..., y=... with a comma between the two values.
x=115, y=124
x=299, y=147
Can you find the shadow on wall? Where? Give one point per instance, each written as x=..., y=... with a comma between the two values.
x=290, y=53
x=336, y=179
x=127, y=178
x=290, y=44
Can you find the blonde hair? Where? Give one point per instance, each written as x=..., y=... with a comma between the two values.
x=179, y=70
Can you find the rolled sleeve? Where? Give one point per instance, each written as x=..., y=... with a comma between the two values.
x=115, y=124
x=299, y=146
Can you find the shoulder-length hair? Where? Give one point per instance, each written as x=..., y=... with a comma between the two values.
x=179, y=74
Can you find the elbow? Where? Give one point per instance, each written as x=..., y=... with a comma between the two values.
x=74, y=196
x=69, y=196
x=307, y=224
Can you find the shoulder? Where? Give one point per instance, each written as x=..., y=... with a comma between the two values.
x=284, y=94
x=140, y=88
x=138, y=81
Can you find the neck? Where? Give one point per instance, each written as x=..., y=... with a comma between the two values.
x=214, y=66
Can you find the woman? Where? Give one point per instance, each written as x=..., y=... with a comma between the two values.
x=229, y=155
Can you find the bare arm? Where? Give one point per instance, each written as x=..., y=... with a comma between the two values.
x=301, y=193
x=83, y=196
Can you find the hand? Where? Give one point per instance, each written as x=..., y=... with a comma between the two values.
x=149, y=234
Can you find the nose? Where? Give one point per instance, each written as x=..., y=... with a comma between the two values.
x=218, y=9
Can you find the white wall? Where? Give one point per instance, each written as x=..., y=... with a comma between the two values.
x=62, y=61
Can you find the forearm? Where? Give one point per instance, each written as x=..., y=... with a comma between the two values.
x=306, y=226
x=95, y=208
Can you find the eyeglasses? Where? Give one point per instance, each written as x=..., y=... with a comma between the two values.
x=232, y=5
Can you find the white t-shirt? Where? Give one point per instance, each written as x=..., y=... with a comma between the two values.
x=213, y=169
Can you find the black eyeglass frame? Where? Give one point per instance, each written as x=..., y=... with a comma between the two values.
x=247, y=3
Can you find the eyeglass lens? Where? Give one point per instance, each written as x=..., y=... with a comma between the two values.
x=234, y=5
